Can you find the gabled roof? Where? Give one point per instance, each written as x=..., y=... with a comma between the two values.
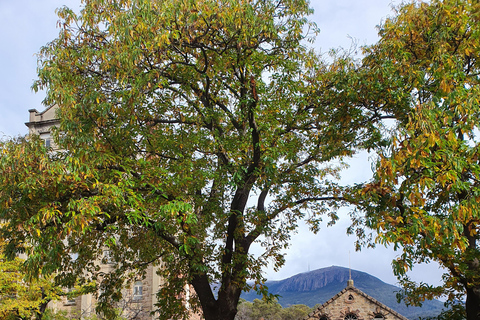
x=351, y=288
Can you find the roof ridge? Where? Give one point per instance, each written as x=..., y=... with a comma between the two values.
x=361, y=293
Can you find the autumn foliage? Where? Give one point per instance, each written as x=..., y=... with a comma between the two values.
x=425, y=194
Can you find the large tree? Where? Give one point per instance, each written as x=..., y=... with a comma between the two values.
x=426, y=191
x=189, y=130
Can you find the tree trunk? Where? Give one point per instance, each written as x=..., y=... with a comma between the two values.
x=472, y=305
x=222, y=312
x=224, y=307
x=43, y=306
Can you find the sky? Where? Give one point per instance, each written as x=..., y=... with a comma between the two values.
x=27, y=25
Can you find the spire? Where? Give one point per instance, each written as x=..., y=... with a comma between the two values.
x=350, y=281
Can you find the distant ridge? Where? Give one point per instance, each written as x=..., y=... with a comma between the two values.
x=317, y=286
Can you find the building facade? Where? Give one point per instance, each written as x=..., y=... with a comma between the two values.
x=41, y=123
x=353, y=304
x=138, y=302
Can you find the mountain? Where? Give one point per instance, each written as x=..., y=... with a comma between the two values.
x=316, y=287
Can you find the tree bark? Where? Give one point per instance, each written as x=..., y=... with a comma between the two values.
x=222, y=308
x=472, y=305
x=43, y=306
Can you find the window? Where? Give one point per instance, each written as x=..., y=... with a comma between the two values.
x=323, y=318
x=351, y=316
x=379, y=316
x=138, y=290
x=70, y=299
x=350, y=298
x=47, y=138
x=107, y=257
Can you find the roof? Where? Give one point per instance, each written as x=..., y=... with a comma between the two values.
x=360, y=293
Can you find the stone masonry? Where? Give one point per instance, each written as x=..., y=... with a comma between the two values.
x=353, y=304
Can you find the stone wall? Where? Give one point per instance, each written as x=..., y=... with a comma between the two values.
x=352, y=303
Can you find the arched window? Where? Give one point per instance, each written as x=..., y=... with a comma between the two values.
x=379, y=316
x=350, y=298
x=323, y=318
x=351, y=316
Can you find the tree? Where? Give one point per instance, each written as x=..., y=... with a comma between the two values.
x=21, y=299
x=425, y=192
x=259, y=309
x=190, y=130
x=270, y=310
x=294, y=312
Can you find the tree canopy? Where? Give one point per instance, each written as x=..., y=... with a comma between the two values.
x=425, y=193
x=270, y=310
x=188, y=131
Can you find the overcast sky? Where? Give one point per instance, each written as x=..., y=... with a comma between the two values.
x=26, y=25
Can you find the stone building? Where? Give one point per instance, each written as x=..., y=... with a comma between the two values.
x=353, y=304
x=139, y=297
x=40, y=123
